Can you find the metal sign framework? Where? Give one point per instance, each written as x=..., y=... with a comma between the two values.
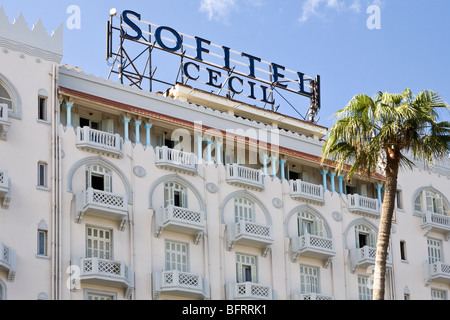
x=133, y=63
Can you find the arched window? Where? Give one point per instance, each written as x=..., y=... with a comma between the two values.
x=365, y=236
x=5, y=96
x=434, y=202
x=310, y=224
x=175, y=195
x=98, y=178
x=244, y=210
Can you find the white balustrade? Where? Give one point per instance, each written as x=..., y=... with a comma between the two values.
x=437, y=222
x=103, y=204
x=8, y=261
x=365, y=256
x=246, y=176
x=176, y=159
x=251, y=234
x=180, y=283
x=312, y=246
x=363, y=205
x=100, y=141
x=181, y=220
x=5, y=189
x=307, y=191
x=107, y=272
x=249, y=290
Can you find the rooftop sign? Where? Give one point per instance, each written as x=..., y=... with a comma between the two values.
x=239, y=75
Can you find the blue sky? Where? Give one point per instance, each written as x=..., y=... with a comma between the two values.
x=325, y=37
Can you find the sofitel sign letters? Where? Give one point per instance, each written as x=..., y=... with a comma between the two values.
x=257, y=80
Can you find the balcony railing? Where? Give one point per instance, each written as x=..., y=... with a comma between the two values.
x=107, y=273
x=249, y=234
x=312, y=296
x=184, y=284
x=4, y=122
x=243, y=176
x=180, y=220
x=306, y=191
x=365, y=257
x=363, y=205
x=172, y=159
x=436, y=222
x=100, y=142
x=5, y=189
x=312, y=246
x=437, y=271
x=248, y=291
x=102, y=204
x=8, y=261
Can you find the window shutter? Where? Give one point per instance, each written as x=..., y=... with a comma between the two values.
x=184, y=198
x=239, y=266
x=318, y=227
x=372, y=239
x=418, y=203
x=254, y=277
x=364, y=190
x=305, y=176
x=88, y=177
x=429, y=201
x=439, y=205
x=108, y=182
x=108, y=125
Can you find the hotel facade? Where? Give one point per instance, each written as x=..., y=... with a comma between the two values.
x=111, y=192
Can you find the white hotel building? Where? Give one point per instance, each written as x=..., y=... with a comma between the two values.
x=98, y=202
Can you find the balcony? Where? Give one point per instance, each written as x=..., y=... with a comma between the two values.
x=307, y=192
x=4, y=122
x=100, y=142
x=437, y=271
x=313, y=247
x=102, y=204
x=312, y=296
x=363, y=205
x=5, y=189
x=249, y=234
x=176, y=160
x=8, y=261
x=183, y=284
x=180, y=220
x=245, y=177
x=365, y=257
x=248, y=291
x=107, y=273
x=436, y=222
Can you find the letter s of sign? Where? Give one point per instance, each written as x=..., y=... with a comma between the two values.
x=131, y=24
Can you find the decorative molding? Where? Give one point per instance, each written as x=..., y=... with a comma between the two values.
x=212, y=188
x=277, y=203
x=139, y=171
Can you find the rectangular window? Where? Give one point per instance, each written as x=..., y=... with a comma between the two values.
x=309, y=279
x=246, y=269
x=244, y=210
x=98, y=243
x=94, y=295
x=176, y=256
x=42, y=174
x=42, y=243
x=399, y=199
x=434, y=251
x=438, y=294
x=364, y=290
x=42, y=108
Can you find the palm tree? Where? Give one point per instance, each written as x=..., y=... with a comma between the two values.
x=387, y=132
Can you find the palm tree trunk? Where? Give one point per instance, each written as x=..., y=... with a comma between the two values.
x=384, y=232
